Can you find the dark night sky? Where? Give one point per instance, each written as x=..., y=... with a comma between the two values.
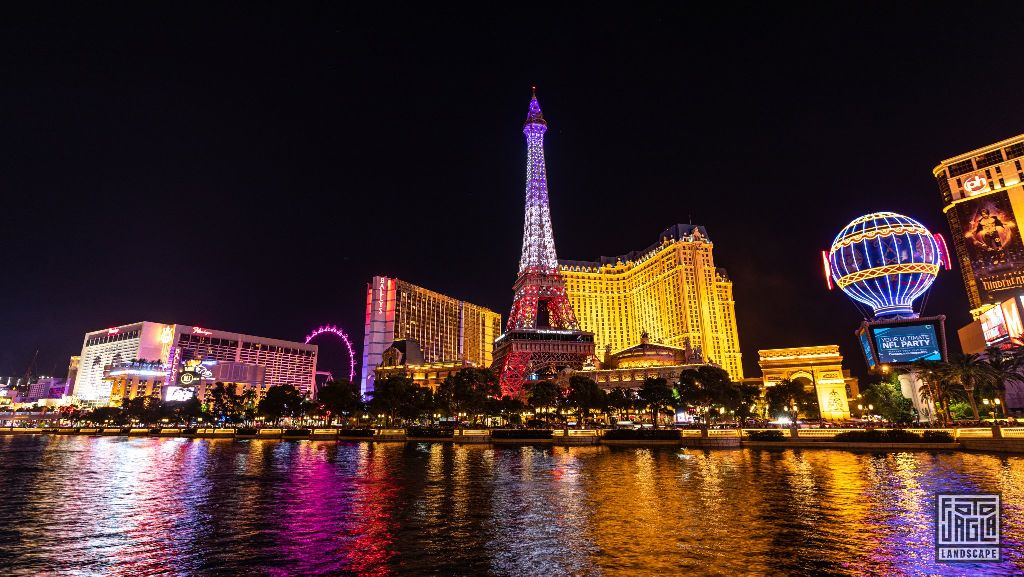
x=251, y=170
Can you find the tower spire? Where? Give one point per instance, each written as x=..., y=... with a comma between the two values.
x=543, y=336
x=534, y=116
x=538, y=239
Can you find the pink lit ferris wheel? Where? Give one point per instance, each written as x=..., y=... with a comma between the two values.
x=344, y=337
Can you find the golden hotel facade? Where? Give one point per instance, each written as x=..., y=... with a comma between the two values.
x=671, y=290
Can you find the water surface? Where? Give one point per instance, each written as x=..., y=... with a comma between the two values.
x=140, y=506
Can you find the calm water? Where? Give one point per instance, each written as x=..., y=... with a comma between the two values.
x=118, y=506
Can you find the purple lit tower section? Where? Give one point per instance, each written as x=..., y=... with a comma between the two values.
x=538, y=240
x=542, y=337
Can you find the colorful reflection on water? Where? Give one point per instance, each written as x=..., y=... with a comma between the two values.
x=139, y=506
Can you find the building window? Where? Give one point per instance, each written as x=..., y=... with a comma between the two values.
x=962, y=167
x=989, y=158
x=1015, y=150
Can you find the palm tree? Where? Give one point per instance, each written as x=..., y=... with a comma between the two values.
x=1006, y=368
x=969, y=371
x=934, y=386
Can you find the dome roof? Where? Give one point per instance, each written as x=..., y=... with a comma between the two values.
x=648, y=354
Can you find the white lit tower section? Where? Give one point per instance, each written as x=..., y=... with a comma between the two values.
x=379, y=327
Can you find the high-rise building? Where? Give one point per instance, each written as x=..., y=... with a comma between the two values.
x=671, y=290
x=982, y=192
x=543, y=336
x=285, y=362
x=448, y=330
x=72, y=372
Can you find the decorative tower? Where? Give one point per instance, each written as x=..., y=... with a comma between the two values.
x=543, y=337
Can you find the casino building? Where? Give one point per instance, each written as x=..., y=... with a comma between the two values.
x=982, y=192
x=671, y=290
x=169, y=346
x=447, y=331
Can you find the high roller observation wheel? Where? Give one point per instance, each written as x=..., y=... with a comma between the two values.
x=344, y=337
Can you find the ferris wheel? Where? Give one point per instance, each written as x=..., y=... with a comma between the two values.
x=334, y=330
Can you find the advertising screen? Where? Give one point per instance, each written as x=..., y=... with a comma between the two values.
x=993, y=244
x=178, y=393
x=907, y=343
x=1012, y=319
x=869, y=355
x=993, y=326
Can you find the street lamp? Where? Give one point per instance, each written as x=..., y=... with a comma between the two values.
x=991, y=407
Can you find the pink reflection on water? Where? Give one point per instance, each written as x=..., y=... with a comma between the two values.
x=334, y=516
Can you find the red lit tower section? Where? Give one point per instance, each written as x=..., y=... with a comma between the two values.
x=542, y=338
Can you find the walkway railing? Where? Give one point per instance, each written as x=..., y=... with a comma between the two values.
x=478, y=434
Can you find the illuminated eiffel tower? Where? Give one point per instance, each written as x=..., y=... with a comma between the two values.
x=542, y=337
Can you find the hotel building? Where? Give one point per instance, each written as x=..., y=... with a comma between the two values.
x=670, y=290
x=982, y=192
x=404, y=358
x=446, y=329
x=170, y=345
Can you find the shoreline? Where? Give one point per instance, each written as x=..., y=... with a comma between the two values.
x=558, y=438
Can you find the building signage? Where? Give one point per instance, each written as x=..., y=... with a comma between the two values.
x=193, y=374
x=975, y=184
x=382, y=288
x=201, y=331
x=993, y=325
x=993, y=245
x=113, y=331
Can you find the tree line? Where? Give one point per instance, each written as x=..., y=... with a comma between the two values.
x=968, y=377
x=470, y=395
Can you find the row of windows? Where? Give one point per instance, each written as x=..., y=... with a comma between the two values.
x=112, y=338
x=985, y=160
x=189, y=339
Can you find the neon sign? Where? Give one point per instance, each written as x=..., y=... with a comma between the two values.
x=828, y=268
x=166, y=335
x=113, y=331
x=381, y=294
x=201, y=331
x=975, y=184
x=193, y=374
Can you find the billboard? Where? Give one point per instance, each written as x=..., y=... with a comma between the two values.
x=179, y=393
x=993, y=325
x=1002, y=324
x=907, y=342
x=992, y=244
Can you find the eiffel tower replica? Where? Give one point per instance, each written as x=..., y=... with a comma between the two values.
x=543, y=337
